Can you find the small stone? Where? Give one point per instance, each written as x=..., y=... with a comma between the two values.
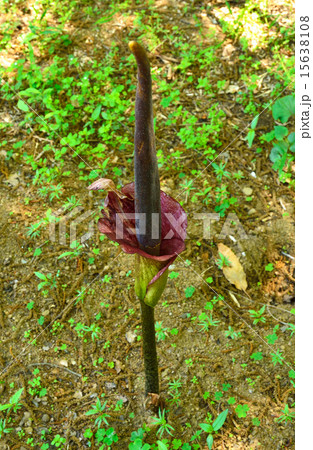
x=63, y=363
x=247, y=191
x=29, y=430
x=78, y=394
x=122, y=273
x=45, y=348
x=45, y=418
x=45, y=313
x=110, y=386
x=131, y=337
x=228, y=50
x=251, y=211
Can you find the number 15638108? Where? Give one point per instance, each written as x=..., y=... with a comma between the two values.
x=304, y=46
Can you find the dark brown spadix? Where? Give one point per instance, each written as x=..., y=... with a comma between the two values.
x=147, y=183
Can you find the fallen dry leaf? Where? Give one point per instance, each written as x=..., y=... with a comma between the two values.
x=234, y=299
x=156, y=400
x=232, y=88
x=117, y=365
x=107, y=185
x=233, y=273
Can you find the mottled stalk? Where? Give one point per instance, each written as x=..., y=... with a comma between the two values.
x=147, y=183
x=149, y=349
x=147, y=202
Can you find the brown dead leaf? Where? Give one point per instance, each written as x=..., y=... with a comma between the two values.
x=233, y=273
x=107, y=185
x=117, y=365
x=156, y=400
x=232, y=88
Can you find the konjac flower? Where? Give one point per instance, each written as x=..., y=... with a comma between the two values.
x=144, y=220
x=141, y=218
x=119, y=224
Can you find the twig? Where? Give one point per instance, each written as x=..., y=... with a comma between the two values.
x=55, y=365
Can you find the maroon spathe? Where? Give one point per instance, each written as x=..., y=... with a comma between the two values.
x=172, y=239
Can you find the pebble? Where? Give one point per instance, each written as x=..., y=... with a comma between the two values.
x=122, y=273
x=45, y=418
x=131, y=337
x=78, y=394
x=63, y=362
x=110, y=386
x=25, y=417
x=29, y=430
x=247, y=191
x=251, y=211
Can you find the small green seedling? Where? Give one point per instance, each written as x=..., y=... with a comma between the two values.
x=222, y=261
x=213, y=428
x=162, y=423
x=251, y=133
x=258, y=315
x=13, y=402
